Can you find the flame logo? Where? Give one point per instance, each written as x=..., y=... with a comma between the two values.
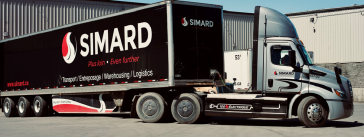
x=68, y=50
x=184, y=21
x=275, y=72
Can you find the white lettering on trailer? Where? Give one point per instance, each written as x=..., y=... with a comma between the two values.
x=201, y=23
x=102, y=42
x=84, y=45
x=149, y=31
x=116, y=36
x=131, y=38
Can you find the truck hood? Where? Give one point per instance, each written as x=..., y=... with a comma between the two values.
x=327, y=78
x=330, y=75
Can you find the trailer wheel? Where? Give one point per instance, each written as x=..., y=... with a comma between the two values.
x=312, y=113
x=9, y=108
x=39, y=106
x=24, y=109
x=186, y=108
x=151, y=107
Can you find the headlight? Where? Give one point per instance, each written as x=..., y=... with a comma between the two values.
x=340, y=93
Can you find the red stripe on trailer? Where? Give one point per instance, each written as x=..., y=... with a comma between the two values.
x=108, y=111
x=63, y=108
x=122, y=82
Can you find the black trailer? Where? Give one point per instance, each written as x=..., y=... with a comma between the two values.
x=100, y=65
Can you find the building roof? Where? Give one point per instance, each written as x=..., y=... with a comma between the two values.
x=244, y=13
x=325, y=10
x=121, y=2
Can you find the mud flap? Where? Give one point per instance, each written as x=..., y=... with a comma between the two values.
x=133, y=113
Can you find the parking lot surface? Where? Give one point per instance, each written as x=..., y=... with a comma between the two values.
x=123, y=125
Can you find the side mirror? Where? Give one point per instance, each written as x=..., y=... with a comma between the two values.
x=292, y=58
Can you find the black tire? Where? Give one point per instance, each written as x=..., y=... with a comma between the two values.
x=24, y=109
x=39, y=106
x=151, y=107
x=9, y=108
x=312, y=113
x=186, y=108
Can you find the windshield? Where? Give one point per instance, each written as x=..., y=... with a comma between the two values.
x=305, y=57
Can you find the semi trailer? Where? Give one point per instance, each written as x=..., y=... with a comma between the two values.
x=147, y=61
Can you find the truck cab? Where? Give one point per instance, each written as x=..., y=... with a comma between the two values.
x=284, y=81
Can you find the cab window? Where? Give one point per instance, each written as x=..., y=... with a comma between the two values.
x=279, y=55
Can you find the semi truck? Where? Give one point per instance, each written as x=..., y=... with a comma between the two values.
x=148, y=61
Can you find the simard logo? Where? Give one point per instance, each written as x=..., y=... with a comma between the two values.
x=94, y=43
x=184, y=22
x=283, y=73
x=196, y=22
x=68, y=50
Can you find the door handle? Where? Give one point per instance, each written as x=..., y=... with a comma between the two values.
x=270, y=82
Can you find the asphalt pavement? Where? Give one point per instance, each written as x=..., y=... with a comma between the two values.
x=123, y=125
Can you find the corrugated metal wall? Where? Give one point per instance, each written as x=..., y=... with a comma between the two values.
x=338, y=36
x=238, y=31
x=19, y=17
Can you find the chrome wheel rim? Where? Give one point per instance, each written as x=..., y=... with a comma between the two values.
x=149, y=107
x=314, y=112
x=21, y=106
x=6, y=107
x=37, y=106
x=185, y=108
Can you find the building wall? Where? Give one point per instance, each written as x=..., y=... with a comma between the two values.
x=334, y=36
x=238, y=31
x=20, y=17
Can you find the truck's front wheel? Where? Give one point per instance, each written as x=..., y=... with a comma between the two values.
x=186, y=108
x=312, y=113
x=151, y=107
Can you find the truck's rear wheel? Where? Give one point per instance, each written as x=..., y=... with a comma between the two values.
x=39, y=106
x=186, y=108
x=151, y=107
x=9, y=107
x=24, y=109
x=312, y=113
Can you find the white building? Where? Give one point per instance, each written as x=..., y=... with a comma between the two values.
x=334, y=35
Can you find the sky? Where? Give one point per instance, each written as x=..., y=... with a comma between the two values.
x=284, y=6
